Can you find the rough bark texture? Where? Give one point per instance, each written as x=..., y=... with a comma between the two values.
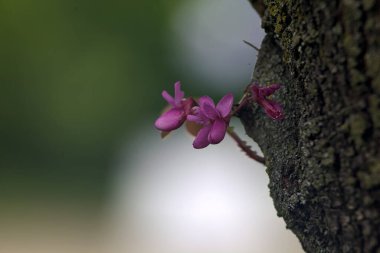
x=259, y=6
x=323, y=160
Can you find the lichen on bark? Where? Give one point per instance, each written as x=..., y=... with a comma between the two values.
x=323, y=159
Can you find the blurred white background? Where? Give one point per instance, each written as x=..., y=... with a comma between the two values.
x=170, y=198
x=178, y=199
x=207, y=42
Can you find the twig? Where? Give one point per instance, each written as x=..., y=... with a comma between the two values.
x=243, y=102
x=251, y=45
x=245, y=148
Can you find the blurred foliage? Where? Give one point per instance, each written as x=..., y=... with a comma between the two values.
x=76, y=78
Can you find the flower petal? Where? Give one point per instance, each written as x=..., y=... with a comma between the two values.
x=218, y=131
x=206, y=100
x=209, y=111
x=187, y=104
x=269, y=90
x=256, y=93
x=273, y=109
x=195, y=118
x=208, y=107
x=225, y=104
x=168, y=98
x=170, y=120
x=195, y=115
x=201, y=141
x=178, y=94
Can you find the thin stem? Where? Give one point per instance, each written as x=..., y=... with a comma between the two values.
x=243, y=102
x=251, y=45
x=245, y=147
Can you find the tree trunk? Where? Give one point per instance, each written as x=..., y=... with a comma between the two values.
x=323, y=159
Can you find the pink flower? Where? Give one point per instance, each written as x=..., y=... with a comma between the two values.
x=214, y=120
x=180, y=107
x=271, y=107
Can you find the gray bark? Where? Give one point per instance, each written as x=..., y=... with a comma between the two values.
x=323, y=160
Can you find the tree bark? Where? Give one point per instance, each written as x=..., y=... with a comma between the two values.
x=323, y=159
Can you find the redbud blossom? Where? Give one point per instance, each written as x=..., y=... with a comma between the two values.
x=180, y=107
x=271, y=107
x=214, y=120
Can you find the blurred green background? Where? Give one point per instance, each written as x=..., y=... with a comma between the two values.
x=77, y=78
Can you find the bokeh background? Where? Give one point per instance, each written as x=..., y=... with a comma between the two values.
x=81, y=167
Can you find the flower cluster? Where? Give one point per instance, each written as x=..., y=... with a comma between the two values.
x=213, y=120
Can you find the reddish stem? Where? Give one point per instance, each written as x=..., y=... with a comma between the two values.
x=245, y=148
x=243, y=102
